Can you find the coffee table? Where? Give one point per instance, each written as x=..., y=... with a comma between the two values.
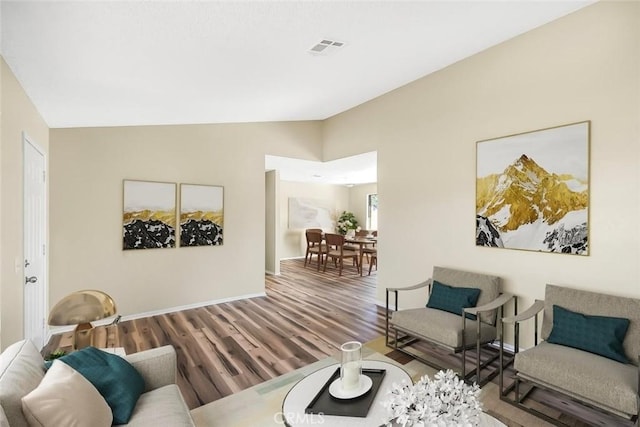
x=299, y=397
x=262, y=404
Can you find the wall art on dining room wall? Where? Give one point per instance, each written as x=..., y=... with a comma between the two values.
x=201, y=215
x=310, y=213
x=148, y=215
x=532, y=190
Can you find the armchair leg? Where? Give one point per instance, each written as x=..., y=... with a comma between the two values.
x=478, y=340
x=464, y=348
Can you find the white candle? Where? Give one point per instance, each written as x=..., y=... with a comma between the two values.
x=351, y=375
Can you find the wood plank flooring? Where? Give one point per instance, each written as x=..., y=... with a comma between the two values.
x=228, y=347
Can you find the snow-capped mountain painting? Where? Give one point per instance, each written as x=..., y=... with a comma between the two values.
x=532, y=191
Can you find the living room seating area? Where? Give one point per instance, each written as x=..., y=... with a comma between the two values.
x=530, y=368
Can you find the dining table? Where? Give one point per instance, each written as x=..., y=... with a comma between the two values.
x=361, y=241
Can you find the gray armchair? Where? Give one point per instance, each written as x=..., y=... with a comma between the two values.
x=453, y=331
x=602, y=391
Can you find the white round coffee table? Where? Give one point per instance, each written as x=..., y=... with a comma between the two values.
x=299, y=397
x=301, y=394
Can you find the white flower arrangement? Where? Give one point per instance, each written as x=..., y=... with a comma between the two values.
x=347, y=221
x=444, y=401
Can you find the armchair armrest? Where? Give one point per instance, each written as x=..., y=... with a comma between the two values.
x=157, y=366
x=411, y=288
x=498, y=302
x=535, y=308
x=426, y=283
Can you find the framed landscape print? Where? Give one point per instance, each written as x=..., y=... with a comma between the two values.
x=148, y=215
x=532, y=190
x=201, y=215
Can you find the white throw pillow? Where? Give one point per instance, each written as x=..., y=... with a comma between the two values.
x=65, y=398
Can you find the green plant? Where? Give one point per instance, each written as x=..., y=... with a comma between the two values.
x=347, y=221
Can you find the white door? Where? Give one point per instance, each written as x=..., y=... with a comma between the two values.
x=35, y=215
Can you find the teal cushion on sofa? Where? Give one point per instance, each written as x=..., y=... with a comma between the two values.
x=596, y=334
x=453, y=299
x=116, y=380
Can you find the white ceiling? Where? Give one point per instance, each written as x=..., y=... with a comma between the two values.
x=108, y=63
x=360, y=169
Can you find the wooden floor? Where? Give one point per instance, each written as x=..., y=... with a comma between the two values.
x=228, y=347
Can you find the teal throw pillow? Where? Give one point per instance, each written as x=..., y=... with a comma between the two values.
x=453, y=299
x=596, y=334
x=114, y=378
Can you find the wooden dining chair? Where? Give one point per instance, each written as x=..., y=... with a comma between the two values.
x=373, y=260
x=314, y=246
x=366, y=249
x=337, y=252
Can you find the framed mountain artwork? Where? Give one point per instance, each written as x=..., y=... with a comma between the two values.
x=201, y=215
x=148, y=215
x=532, y=190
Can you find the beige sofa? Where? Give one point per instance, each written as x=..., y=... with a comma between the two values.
x=607, y=386
x=21, y=370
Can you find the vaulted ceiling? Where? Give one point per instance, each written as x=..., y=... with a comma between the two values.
x=108, y=63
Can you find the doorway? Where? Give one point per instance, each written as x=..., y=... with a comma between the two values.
x=34, y=235
x=333, y=186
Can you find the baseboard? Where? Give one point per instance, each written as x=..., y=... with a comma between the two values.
x=508, y=347
x=272, y=273
x=62, y=329
x=383, y=304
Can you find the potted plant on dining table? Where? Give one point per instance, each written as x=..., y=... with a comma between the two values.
x=347, y=224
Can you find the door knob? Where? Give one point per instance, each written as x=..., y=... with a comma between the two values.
x=32, y=279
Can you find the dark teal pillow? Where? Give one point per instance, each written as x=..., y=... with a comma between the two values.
x=596, y=334
x=453, y=299
x=114, y=378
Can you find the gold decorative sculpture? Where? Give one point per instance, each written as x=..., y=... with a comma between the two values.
x=81, y=308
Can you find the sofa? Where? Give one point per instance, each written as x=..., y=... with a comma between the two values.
x=589, y=353
x=22, y=370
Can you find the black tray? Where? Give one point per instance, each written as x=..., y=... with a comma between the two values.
x=359, y=406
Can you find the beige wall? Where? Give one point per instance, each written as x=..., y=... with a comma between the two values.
x=292, y=242
x=18, y=115
x=585, y=66
x=87, y=169
x=358, y=201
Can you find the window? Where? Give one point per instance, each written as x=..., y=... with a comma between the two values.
x=372, y=211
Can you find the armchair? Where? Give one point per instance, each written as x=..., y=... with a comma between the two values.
x=579, y=367
x=457, y=331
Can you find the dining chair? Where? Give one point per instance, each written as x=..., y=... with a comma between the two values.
x=373, y=259
x=337, y=251
x=366, y=250
x=314, y=246
x=361, y=233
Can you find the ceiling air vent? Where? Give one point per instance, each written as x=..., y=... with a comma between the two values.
x=326, y=47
